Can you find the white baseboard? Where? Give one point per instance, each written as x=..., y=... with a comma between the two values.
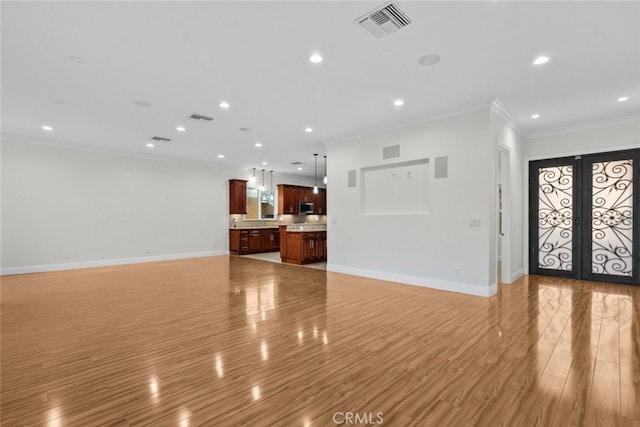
x=445, y=285
x=517, y=274
x=105, y=262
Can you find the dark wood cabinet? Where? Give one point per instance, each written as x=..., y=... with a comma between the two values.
x=305, y=194
x=287, y=199
x=320, y=202
x=304, y=247
x=254, y=240
x=237, y=196
x=289, y=196
x=269, y=240
x=239, y=241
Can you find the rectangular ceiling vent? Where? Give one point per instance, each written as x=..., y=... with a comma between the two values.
x=384, y=20
x=160, y=139
x=196, y=116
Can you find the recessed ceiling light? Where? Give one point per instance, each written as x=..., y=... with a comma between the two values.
x=150, y=145
x=180, y=129
x=541, y=60
x=224, y=105
x=398, y=102
x=48, y=128
x=535, y=116
x=623, y=98
x=143, y=104
x=430, y=59
x=257, y=144
x=221, y=156
x=308, y=130
x=265, y=163
x=315, y=58
x=299, y=169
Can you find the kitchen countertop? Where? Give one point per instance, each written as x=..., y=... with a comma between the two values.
x=260, y=227
x=306, y=227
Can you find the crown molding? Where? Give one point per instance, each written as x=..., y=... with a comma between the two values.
x=498, y=108
x=460, y=112
x=634, y=118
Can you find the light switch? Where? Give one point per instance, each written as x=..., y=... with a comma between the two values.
x=334, y=220
x=474, y=223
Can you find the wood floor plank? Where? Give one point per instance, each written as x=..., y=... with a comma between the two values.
x=235, y=341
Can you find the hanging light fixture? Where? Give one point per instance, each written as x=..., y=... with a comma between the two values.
x=325, y=170
x=253, y=178
x=315, y=174
x=262, y=186
x=271, y=196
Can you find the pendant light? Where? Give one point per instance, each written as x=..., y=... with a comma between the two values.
x=271, y=196
x=315, y=174
x=253, y=178
x=262, y=186
x=325, y=169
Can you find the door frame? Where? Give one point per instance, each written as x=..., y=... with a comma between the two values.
x=503, y=177
x=581, y=229
x=587, y=273
x=574, y=273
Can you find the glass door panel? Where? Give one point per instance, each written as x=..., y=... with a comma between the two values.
x=555, y=217
x=553, y=233
x=612, y=218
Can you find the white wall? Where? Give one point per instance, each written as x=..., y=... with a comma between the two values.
x=584, y=141
x=65, y=208
x=439, y=249
x=600, y=139
x=507, y=139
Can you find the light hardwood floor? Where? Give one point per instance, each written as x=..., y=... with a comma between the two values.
x=227, y=341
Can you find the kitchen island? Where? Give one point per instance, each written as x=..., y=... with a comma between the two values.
x=303, y=243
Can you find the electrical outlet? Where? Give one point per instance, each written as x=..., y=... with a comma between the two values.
x=457, y=273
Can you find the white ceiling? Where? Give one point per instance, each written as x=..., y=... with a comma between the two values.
x=186, y=57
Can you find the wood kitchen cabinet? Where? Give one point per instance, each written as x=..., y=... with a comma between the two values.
x=237, y=196
x=289, y=196
x=288, y=199
x=305, y=194
x=320, y=202
x=269, y=240
x=238, y=241
x=253, y=240
x=304, y=247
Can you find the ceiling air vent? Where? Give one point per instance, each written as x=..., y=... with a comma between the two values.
x=384, y=20
x=196, y=116
x=160, y=139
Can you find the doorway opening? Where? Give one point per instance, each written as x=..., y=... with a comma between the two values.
x=503, y=245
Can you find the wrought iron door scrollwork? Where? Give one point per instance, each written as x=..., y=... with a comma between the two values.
x=612, y=218
x=555, y=217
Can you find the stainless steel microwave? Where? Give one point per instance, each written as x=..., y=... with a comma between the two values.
x=305, y=207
